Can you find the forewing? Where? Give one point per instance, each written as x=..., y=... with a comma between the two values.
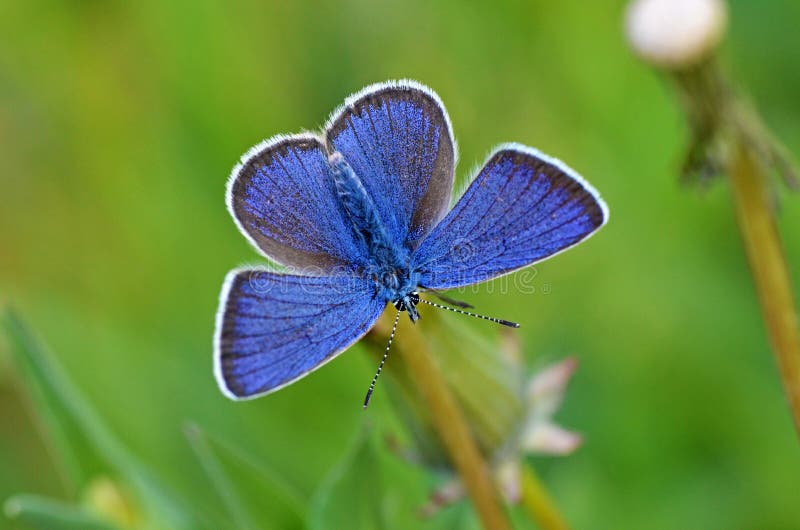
x=273, y=329
x=522, y=207
x=282, y=197
x=398, y=139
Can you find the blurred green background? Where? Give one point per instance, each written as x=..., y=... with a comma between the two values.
x=120, y=121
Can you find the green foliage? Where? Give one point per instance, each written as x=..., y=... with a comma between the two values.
x=249, y=491
x=38, y=513
x=82, y=441
x=351, y=495
x=371, y=488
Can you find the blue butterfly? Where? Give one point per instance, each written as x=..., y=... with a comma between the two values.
x=358, y=216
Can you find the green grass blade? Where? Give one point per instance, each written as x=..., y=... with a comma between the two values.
x=83, y=442
x=57, y=407
x=289, y=493
x=222, y=484
x=41, y=513
x=351, y=496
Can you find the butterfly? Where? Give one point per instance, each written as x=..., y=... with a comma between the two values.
x=359, y=217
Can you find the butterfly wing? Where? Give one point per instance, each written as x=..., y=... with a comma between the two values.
x=283, y=199
x=398, y=139
x=273, y=329
x=522, y=207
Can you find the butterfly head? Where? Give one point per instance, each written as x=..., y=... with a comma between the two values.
x=409, y=303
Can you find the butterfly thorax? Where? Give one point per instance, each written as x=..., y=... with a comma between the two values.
x=389, y=264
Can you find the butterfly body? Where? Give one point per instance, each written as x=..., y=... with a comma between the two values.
x=360, y=216
x=389, y=263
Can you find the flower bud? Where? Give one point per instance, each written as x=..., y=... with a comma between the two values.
x=675, y=34
x=509, y=414
x=108, y=499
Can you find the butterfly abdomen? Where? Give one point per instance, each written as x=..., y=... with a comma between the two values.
x=357, y=203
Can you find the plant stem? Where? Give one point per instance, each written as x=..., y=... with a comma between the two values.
x=452, y=428
x=768, y=267
x=729, y=136
x=538, y=503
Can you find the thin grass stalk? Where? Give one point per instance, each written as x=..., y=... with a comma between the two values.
x=538, y=503
x=762, y=244
x=451, y=427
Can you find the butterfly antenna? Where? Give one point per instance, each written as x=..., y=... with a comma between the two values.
x=462, y=312
x=380, y=366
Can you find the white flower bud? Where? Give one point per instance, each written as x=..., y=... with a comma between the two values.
x=675, y=33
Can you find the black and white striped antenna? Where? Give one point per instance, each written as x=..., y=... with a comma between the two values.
x=383, y=360
x=438, y=306
x=462, y=312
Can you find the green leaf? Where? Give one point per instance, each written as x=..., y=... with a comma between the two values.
x=41, y=513
x=220, y=481
x=220, y=457
x=56, y=404
x=84, y=444
x=351, y=496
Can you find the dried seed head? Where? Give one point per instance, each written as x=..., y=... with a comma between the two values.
x=675, y=34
